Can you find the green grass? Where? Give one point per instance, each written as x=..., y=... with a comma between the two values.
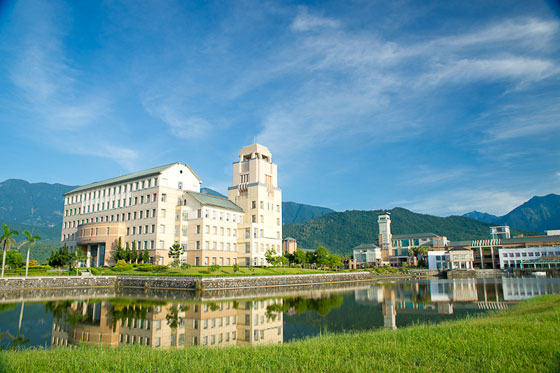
x=524, y=339
x=222, y=271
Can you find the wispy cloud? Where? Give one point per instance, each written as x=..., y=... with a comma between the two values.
x=57, y=96
x=305, y=21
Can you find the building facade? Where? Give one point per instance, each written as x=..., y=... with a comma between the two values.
x=156, y=208
x=255, y=190
x=289, y=245
x=456, y=258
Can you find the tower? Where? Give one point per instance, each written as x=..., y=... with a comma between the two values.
x=255, y=190
x=385, y=237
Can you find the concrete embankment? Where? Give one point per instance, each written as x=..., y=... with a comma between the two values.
x=14, y=288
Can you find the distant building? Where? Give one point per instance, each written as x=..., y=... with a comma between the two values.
x=367, y=255
x=487, y=252
x=456, y=258
x=553, y=232
x=289, y=245
x=500, y=232
x=530, y=257
x=402, y=243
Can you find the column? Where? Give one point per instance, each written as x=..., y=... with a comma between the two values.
x=88, y=260
x=481, y=257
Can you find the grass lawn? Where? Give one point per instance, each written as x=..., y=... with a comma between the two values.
x=523, y=339
x=222, y=271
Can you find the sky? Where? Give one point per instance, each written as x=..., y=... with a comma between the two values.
x=435, y=106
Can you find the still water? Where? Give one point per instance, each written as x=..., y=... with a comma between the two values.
x=160, y=323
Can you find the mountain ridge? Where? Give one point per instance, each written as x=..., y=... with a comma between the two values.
x=538, y=214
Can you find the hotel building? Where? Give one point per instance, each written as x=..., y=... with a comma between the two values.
x=155, y=208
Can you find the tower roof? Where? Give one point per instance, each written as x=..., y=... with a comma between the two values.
x=249, y=150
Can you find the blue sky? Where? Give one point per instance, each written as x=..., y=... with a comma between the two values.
x=440, y=107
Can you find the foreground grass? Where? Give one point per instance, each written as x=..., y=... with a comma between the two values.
x=526, y=338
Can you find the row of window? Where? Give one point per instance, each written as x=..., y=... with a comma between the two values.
x=533, y=254
x=107, y=205
x=217, y=215
x=215, y=261
x=135, y=215
x=269, y=206
x=112, y=191
x=261, y=220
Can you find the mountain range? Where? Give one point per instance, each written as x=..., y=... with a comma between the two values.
x=537, y=214
x=341, y=231
x=39, y=206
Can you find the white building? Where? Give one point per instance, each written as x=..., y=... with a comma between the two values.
x=155, y=208
x=367, y=254
x=255, y=190
x=456, y=258
x=500, y=232
x=516, y=257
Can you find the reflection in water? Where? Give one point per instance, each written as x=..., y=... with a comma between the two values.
x=115, y=323
x=162, y=324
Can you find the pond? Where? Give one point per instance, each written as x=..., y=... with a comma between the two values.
x=161, y=323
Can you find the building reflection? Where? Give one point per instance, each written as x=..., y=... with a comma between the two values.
x=166, y=325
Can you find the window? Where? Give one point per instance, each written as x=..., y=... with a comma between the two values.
x=254, y=218
x=163, y=197
x=180, y=185
x=162, y=213
x=253, y=204
x=161, y=228
x=161, y=244
x=198, y=229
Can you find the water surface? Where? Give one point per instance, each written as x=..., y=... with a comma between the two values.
x=162, y=323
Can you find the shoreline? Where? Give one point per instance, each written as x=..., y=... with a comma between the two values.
x=460, y=345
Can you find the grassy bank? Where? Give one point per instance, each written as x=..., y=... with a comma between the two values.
x=526, y=338
x=221, y=271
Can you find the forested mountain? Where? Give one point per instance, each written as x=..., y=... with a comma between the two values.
x=341, y=231
x=38, y=204
x=293, y=212
x=537, y=214
x=482, y=216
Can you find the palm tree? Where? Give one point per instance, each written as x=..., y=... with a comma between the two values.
x=7, y=240
x=30, y=240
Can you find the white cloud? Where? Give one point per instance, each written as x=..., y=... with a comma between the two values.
x=305, y=21
x=59, y=101
x=343, y=76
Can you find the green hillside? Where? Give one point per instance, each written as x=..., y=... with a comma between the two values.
x=341, y=231
x=293, y=212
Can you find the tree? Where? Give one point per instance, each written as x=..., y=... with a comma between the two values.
x=128, y=252
x=269, y=256
x=146, y=257
x=300, y=256
x=7, y=240
x=60, y=258
x=30, y=240
x=175, y=252
x=321, y=256
x=335, y=260
x=423, y=252
x=133, y=254
x=77, y=257
x=13, y=258
x=121, y=254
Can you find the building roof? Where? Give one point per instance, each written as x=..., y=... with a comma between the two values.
x=366, y=246
x=209, y=200
x=132, y=176
x=414, y=235
x=531, y=239
x=289, y=238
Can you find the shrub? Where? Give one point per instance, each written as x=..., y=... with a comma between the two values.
x=148, y=267
x=95, y=271
x=39, y=268
x=159, y=268
x=214, y=267
x=379, y=270
x=185, y=266
x=72, y=271
x=236, y=267
x=33, y=263
x=122, y=266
